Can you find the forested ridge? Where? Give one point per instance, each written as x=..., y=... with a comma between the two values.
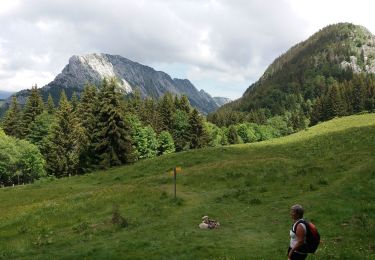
x=330, y=74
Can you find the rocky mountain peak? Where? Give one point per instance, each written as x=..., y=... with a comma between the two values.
x=93, y=68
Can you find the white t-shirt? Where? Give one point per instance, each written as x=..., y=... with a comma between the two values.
x=293, y=236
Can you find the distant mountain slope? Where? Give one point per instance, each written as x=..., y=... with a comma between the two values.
x=332, y=54
x=221, y=100
x=129, y=212
x=5, y=94
x=93, y=68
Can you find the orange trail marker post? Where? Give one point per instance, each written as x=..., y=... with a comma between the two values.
x=175, y=171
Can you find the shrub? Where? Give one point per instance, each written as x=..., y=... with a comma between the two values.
x=20, y=161
x=166, y=144
x=117, y=219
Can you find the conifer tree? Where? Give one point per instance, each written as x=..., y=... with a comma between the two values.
x=184, y=104
x=297, y=120
x=316, y=114
x=50, y=106
x=86, y=112
x=151, y=115
x=134, y=104
x=176, y=102
x=181, y=130
x=346, y=94
x=166, y=109
x=11, y=122
x=333, y=103
x=34, y=106
x=65, y=141
x=74, y=101
x=359, y=94
x=233, y=137
x=197, y=132
x=113, y=145
x=40, y=130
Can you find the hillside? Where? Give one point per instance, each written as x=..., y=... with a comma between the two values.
x=331, y=57
x=328, y=168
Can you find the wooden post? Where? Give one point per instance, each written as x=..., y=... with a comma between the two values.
x=175, y=178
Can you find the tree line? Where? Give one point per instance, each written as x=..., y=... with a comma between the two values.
x=331, y=98
x=103, y=128
x=345, y=98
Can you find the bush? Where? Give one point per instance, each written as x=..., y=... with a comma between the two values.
x=20, y=161
x=246, y=132
x=166, y=144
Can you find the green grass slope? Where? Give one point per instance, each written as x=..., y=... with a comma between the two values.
x=329, y=169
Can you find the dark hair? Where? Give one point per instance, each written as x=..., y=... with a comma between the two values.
x=298, y=210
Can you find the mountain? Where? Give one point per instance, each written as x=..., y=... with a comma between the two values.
x=335, y=54
x=220, y=101
x=92, y=68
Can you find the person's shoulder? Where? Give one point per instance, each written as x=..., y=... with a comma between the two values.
x=301, y=223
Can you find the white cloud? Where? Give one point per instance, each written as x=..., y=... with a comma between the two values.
x=24, y=79
x=320, y=13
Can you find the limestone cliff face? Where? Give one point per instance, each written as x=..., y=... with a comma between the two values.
x=131, y=75
x=92, y=68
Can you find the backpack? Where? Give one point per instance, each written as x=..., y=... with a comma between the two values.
x=312, y=237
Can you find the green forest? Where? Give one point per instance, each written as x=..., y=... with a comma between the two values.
x=103, y=128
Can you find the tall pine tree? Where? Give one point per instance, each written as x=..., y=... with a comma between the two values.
x=198, y=134
x=12, y=119
x=86, y=112
x=50, y=106
x=166, y=109
x=34, y=106
x=184, y=104
x=65, y=141
x=113, y=145
x=359, y=94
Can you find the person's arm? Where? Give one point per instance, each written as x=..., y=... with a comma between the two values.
x=300, y=233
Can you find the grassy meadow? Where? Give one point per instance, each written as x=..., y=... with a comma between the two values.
x=249, y=188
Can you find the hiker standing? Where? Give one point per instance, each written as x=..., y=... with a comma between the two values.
x=297, y=234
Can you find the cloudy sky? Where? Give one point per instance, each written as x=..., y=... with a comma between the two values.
x=220, y=46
